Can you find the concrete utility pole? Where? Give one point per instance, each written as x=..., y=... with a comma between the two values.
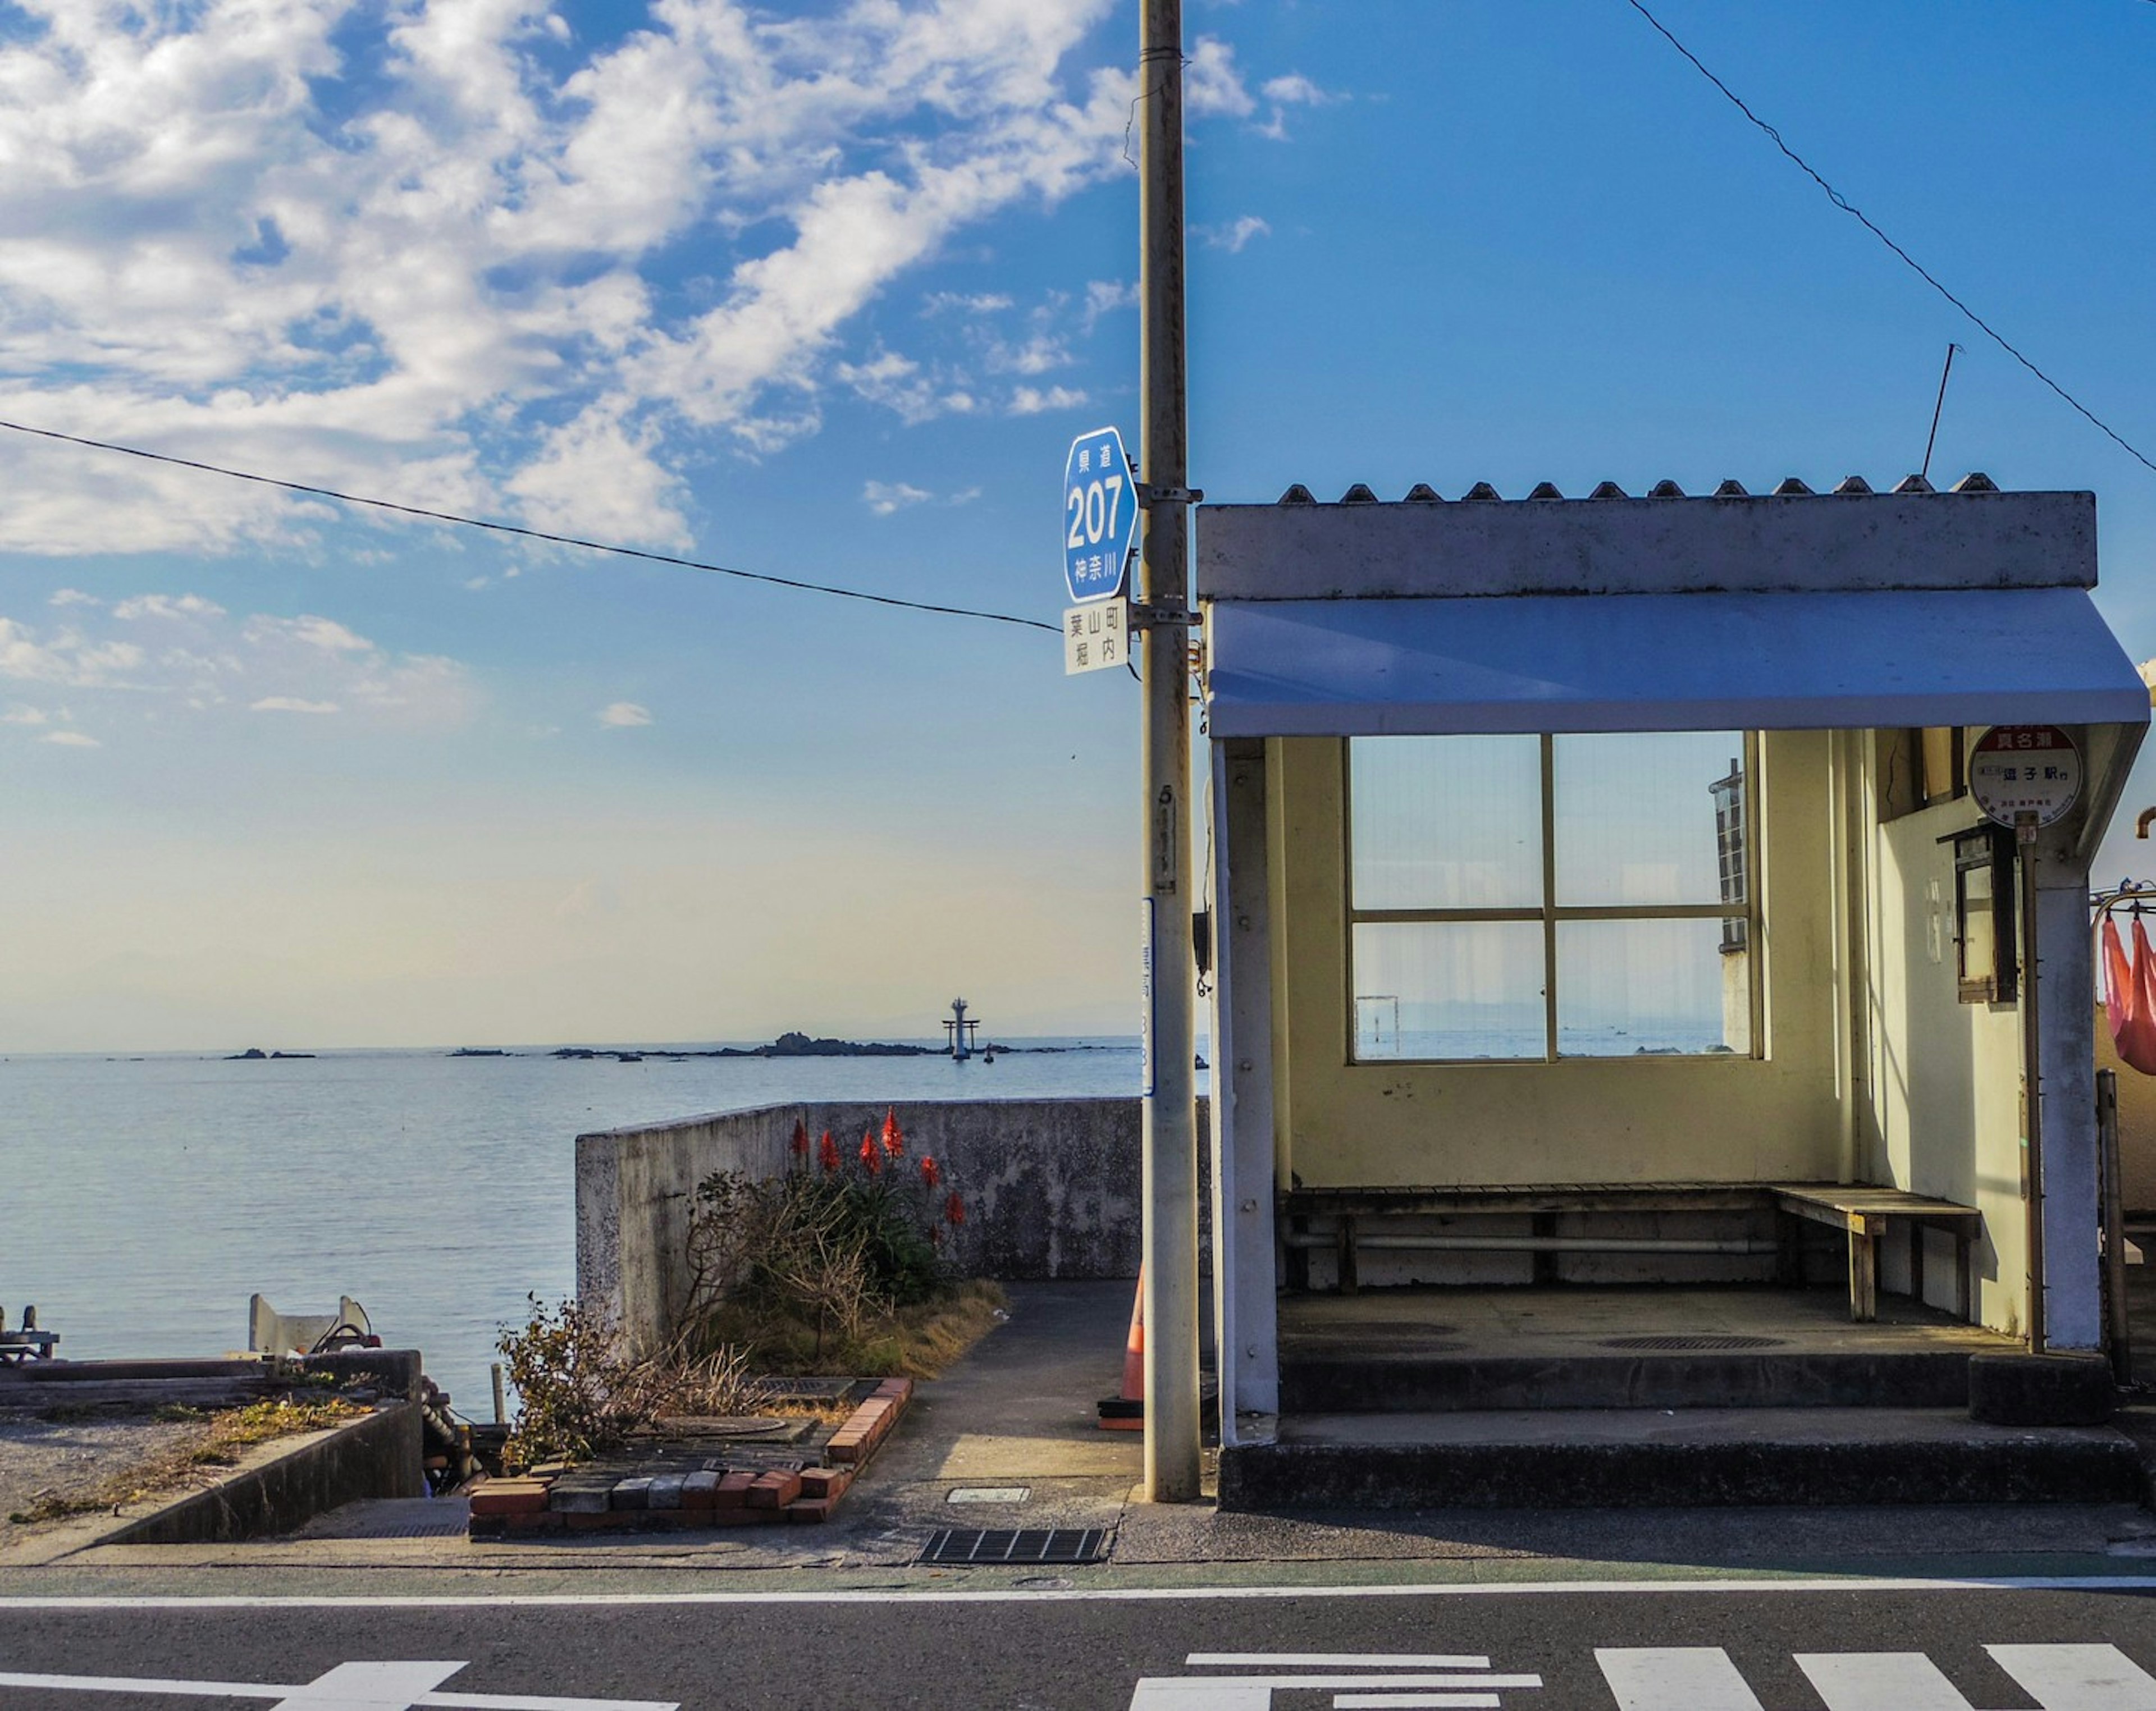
x=1172, y=1443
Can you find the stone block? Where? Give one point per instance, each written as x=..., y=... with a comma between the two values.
x=2041, y=1390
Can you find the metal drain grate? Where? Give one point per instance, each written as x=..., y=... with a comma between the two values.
x=1004, y=1545
x=1688, y=1344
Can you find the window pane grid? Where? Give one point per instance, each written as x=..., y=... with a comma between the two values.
x=1654, y=957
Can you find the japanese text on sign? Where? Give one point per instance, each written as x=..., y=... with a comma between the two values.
x=1095, y=637
x=1100, y=515
x=2022, y=773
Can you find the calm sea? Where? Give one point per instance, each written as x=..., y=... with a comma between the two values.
x=143, y=1200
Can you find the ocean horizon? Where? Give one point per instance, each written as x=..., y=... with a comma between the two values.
x=155, y=1192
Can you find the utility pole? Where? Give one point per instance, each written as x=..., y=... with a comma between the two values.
x=1172, y=1442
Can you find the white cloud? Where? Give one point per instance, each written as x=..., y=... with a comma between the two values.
x=972, y=303
x=1233, y=237
x=884, y=497
x=1105, y=296
x=73, y=596
x=71, y=740
x=25, y=715
x=1292, y=90
x=68, y=656
x=205, y=659
x=897, y=383
x=163, y=606
x=290, y=704
x=307, y=631
x=436, y=290
x=1212, y=86
x=623, y=715
x=1032, y=401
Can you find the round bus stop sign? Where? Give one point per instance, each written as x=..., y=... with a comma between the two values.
x=2016, y=771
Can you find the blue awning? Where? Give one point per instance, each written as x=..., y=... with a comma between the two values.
x=1665, y=662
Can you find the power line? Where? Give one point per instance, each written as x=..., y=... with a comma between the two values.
x=1924, y=274
x=464, y=522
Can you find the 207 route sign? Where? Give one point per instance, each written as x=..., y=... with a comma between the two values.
x=1100, y=515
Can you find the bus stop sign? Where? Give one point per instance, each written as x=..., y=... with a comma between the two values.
x=2016, y=771
x=1100, y=515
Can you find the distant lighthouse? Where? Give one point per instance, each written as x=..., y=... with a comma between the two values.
x=959, y=1029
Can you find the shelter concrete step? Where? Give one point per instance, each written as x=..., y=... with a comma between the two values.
x=1551, y=1458
x=1420, y=1381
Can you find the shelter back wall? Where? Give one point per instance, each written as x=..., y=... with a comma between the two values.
x=1650, y=1120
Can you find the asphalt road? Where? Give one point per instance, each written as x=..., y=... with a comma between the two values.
x=1651, y=1648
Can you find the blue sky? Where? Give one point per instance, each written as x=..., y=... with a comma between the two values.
x=823, y=291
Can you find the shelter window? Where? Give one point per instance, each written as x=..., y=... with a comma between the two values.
x=1532, y=897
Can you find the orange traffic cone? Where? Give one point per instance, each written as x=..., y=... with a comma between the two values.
x=1126, y=1412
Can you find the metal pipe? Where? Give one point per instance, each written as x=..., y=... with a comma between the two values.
x=2141, y=822
x=2032, y=1084
x=500, y=1399
x=2118, y=1332
x=1544, y=1244
x=1173, y=1446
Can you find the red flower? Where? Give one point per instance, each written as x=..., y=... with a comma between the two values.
x=930, y=1175
x=826, y=1155
x=799, y=1144
x=954, y=1209
x=894, y=1137
x=870, y=1161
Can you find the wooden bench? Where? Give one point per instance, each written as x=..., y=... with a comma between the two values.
x=1861, y=1213
x=1865, y=1215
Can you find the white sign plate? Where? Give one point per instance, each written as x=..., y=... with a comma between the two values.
x=2016, y=770
x=1096, y=637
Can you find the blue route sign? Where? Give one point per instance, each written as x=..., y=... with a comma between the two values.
x=1100, y=515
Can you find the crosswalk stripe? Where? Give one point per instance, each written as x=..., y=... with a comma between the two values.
x=1880, y=1681
x=1327, y=1660
x=1675, y=1678
x=2078, y=1678
x=369, y=1686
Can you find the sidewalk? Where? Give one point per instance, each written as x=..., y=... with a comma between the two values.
x=1014, y=1423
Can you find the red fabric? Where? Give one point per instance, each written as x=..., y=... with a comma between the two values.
x=2136, y=1038
x=2117, y=974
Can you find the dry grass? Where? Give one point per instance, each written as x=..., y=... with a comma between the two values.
x=194, y=1460
x=913, y=1342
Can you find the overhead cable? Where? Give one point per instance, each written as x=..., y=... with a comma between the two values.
x=551, y=540
x=1917, y=267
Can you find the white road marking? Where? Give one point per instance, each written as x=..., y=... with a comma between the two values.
x=349, y=1686
x=1086, y=1595
x=1880, y=1681
x=2078, y=1678
x=370, y=1687
x=1415, y=1702
x=1675, y=1678
x=1311, y=1683
x=1184, y=1693
x=1333, y=1660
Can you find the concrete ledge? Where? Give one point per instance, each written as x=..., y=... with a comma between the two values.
x=1351, y=1384
x=1611, y=1461
x=287, y=1484
x=2041, y=1390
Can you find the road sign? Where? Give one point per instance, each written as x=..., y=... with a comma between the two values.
x=1096, y=637
x=1100, y=515
x=2019, y=770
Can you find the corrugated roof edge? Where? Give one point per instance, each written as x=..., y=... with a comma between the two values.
x=1973, y=536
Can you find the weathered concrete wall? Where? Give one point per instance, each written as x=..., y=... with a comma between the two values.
x=293, y=1482
x=1051, y=1189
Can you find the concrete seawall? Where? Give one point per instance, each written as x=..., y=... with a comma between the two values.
x=1051, y=1189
